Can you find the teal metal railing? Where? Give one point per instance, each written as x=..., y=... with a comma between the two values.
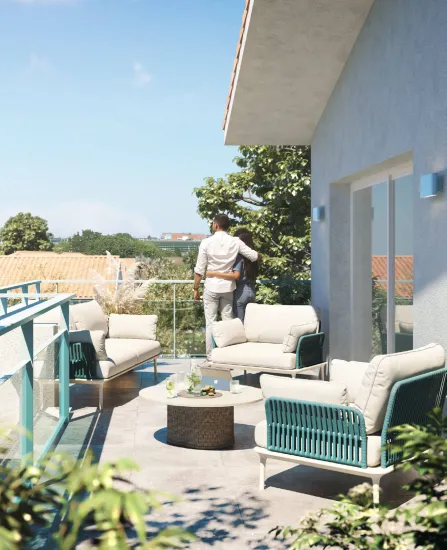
x=23, y=288
x=22, y=318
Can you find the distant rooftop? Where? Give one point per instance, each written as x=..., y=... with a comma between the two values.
x=183, y=236
x=74, y=266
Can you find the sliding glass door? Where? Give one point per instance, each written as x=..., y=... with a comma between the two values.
x=403, y=263
x=382, y=266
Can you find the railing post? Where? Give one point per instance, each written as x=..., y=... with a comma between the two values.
x=3, y=304
x=175, y=322
x=64, y=368
x=25, y=291
x=27, y=397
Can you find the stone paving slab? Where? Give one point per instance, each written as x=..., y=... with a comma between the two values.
x=221, y=502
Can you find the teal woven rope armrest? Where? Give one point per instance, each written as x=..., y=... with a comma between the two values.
x=82, y=361
x=411, y=401
x=334, y=433
x=309, y=350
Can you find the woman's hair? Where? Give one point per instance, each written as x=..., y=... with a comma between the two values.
x=251, y=268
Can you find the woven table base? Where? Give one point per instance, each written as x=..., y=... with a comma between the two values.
x=201, y=427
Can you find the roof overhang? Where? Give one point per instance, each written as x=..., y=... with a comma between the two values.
x=289, y=58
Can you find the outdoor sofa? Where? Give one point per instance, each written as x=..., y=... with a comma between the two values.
x=403, y=327
x=103, y=348
x=278, y=339
x=346, y=424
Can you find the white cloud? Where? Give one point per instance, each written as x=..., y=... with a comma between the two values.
x=38, y=64
x=141, y=77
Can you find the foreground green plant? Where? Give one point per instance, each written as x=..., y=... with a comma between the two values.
x=93, y=503
x=355, y=523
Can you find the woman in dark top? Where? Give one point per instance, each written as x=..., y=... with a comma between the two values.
x=244, y=274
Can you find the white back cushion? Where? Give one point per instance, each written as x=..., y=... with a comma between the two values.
x=328, y=393
x=292, y=338
x=228, y=333
x=138, y=327
x=350, y=373
x=89, y=316
x=404, y=315
x=271, y=324
x=384, y=371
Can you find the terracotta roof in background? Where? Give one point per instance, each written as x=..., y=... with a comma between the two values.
x=236, y=61
x=404, y=272
x=22, y=267
x=45, y=253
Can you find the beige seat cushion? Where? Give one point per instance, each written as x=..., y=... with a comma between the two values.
x=125, y=354
x=253, y=354
x=384, y=371
x=228, y=333
x=329, y=393
x=350, y=373
x=271, y=324
x=89, y=316
x=373, y=450
x=142, y=327
x=373, y=446
x=94, y=337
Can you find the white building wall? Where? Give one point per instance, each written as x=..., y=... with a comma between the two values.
x=391, y=100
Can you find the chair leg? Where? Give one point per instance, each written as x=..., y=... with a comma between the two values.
x=376, y=490
x=101, y=396
x=293, y=374
x=155, y=369
x=245, y=377
x=262, y=465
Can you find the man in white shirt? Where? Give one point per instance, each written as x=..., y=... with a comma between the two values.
x=218, y=253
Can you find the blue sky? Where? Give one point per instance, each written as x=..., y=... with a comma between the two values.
x=111, y=110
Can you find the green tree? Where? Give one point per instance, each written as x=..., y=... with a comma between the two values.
x=120, y=244
x=189, y=316
x=80, y=503
x=190, y=259
x=270, y=195
x=25, y=232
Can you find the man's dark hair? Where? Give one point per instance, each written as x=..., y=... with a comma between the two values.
x=223, y=221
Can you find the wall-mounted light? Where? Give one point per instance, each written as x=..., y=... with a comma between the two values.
x=318, y=214
x=431, y=185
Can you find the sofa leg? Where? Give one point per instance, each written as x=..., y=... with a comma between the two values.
x=155, y=369
x=293, y=375
x=101, y=396
x=322, y=372
x=262, y=465
x=376, y=490
x=245, y=377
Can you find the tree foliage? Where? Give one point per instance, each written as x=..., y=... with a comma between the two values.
x=120, y=244
x=356, y=524
x=93, y=505
x=25, y=232
x=189, y=316
x=270, y=195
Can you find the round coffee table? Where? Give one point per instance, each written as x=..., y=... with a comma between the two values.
x=202, y=423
